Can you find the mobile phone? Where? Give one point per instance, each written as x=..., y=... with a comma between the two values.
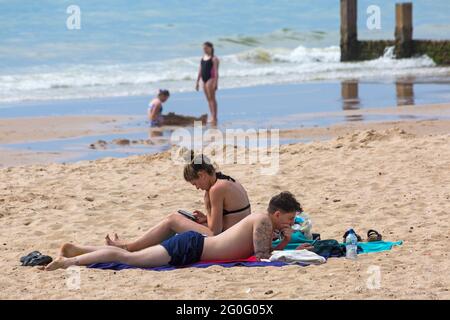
x=187, y=214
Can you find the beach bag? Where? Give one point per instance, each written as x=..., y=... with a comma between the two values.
x=328, y=248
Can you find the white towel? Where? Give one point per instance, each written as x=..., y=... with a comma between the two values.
x=295, y=256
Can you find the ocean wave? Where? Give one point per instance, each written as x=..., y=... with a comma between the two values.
x=277, y=37
x=257, y=66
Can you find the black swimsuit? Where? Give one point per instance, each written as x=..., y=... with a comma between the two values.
x=220, y=175
x=207, y=69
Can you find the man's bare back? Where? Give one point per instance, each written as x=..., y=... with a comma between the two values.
x=253, y=235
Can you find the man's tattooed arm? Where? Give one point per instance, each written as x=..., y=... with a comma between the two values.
x=262, y=238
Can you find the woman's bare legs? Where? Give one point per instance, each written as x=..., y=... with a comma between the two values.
x=151, y=257
x=210, y=93
x=174, y=223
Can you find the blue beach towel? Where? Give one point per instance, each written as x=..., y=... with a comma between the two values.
x=228, y=264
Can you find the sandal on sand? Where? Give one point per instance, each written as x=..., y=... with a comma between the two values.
x=35, y=258
x=26, y=259
x=40, y=261
x=357, y=236
x=373, y=235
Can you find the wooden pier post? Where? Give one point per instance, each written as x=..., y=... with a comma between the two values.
x=405, y=93
x=349, y=33
x=353, y=49
x=349, y=94
x=403, y=30
x=350, y=99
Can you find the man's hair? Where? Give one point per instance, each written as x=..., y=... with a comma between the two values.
x=284, y=202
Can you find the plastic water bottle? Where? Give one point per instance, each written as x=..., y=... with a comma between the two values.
x=303, y=224
x=351, y=245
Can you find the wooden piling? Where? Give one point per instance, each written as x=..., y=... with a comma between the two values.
x=353, y=49
x=350, y=99
x=405, y=93
x=349, y=94
x=403, y=30
x=349, y=35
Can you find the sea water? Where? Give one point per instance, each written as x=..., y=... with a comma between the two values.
x=131, y=48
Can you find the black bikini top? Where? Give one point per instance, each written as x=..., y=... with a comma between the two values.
x=220, y=175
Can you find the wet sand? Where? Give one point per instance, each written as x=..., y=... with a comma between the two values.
x=420, y=120
x=14, y=130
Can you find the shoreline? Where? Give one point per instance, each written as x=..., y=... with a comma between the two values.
x=31, y=129
x=37, y=140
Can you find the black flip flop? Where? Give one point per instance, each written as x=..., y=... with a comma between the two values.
x=35, y=258
x=373, y=235
x=40, y=261
x=26, y=259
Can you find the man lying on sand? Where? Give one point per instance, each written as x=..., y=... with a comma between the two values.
x=251, y=236
x=226, y=203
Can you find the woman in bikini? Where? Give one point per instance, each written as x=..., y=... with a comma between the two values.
x=209, y=74
x=226, y=203
x=155, y=108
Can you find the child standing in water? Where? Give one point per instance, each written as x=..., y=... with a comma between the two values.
x=209, y=74
x=155, y=108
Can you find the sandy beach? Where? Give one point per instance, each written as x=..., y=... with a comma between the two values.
x=99, y=98
x=393, y=180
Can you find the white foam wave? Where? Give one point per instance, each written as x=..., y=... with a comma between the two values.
x=254, y=67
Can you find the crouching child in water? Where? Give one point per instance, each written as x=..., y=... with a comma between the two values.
x=155, y=108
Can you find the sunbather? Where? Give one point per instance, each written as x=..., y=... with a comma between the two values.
x=226, y=203
x=251, y=236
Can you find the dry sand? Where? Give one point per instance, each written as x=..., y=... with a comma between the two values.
x=395, y=182
x=417, y=127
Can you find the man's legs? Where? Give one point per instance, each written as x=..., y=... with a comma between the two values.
x=151, y=257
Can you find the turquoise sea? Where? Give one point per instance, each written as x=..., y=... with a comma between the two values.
x=131, y=48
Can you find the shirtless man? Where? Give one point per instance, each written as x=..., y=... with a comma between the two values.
x=251, y=236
